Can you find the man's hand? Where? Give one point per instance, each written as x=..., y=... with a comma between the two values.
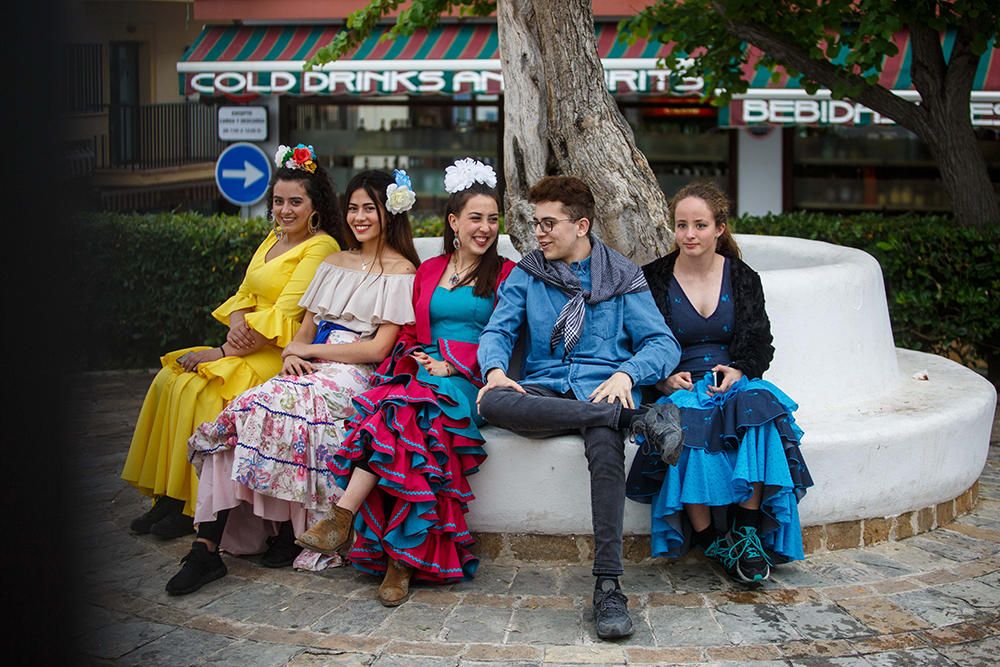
x=496, y=379
x=618, y=387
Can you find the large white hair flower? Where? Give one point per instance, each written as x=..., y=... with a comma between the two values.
x=399, y=196
x=281, y=155
x=465, y=172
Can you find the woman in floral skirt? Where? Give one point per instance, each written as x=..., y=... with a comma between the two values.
x=262, y=462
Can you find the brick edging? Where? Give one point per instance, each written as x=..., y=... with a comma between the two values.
x=816, y=539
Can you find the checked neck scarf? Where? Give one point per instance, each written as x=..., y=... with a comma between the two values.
x=611, y=274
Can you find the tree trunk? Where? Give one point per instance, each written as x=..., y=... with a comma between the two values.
x=560, y=119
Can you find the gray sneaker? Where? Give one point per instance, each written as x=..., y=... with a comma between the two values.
x=660, y=425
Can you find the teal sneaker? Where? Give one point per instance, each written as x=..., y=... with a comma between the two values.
x=747, y=558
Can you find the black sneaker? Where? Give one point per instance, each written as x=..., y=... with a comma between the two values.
x=280, y=552
x=747, y=558
x=660, y=425
x=198, y=568
x=611, y=612
x=160, y=509
x=173, y=525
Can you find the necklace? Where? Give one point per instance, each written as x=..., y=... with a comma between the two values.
x=456, y=276
x=365, y=263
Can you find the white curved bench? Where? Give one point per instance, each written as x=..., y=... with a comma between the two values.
x=878, y=443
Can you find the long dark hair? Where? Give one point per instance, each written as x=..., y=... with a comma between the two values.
x=395, y=227
x=718, y=204
x=486, y=271
x=319, y=187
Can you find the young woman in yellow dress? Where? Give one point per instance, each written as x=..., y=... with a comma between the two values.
x=196, y=383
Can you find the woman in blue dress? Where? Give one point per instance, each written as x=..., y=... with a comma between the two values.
x=415, y=438
x=734, y=491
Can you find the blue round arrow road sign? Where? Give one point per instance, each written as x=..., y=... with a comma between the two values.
x=242, y=173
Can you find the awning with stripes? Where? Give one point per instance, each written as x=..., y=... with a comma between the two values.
x=464, y=58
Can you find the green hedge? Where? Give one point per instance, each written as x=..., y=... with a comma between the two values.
x=148, y=283
x=942, y=280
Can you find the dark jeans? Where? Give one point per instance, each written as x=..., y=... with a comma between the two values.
x=542, y=413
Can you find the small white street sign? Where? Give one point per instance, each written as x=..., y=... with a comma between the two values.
x=243, y=123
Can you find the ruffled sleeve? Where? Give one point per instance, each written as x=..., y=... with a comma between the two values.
x=280, y=322
x=359, y=300
x=244, y=299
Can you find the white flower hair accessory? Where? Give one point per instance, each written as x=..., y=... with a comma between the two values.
x=465, y=172
x=399, y=196
x=301, y=157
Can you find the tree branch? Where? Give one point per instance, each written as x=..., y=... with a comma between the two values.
x=875, y=96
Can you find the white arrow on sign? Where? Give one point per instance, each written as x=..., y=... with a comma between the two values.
x=249, y=173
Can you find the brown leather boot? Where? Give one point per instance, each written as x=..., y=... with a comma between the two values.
x=331, y=534
x=395, y=587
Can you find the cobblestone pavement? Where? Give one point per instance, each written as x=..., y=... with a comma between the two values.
x=932, y=599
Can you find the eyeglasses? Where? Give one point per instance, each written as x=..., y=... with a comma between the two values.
x=546, y=224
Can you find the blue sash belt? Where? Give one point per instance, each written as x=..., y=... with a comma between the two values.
x=324, y=330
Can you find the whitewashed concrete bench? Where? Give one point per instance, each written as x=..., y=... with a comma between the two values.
x=882, y=447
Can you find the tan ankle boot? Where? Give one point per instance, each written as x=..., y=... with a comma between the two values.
x=395, y=587
x=331, y=534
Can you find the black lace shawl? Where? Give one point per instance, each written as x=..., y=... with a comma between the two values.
x=751, y=350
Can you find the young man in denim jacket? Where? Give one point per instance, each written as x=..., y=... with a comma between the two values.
x=593, y=336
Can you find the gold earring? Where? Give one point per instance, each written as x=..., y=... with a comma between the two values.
x=313, y=222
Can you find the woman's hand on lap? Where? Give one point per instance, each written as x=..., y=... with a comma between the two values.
x=191, y=360
x=677, y=381
x=294, y=365
x=433, y=366
x=240, y=335
x=730, y=376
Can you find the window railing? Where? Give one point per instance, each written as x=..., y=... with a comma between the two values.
x=152, y=136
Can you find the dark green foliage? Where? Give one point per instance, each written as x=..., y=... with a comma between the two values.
x=146, y=285
x=942, y=279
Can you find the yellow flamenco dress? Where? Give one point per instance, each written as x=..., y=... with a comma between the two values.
x=178, y=401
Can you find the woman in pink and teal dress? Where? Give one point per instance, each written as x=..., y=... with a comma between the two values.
x=415, y=438
x=196, y=383
x=735, y=489
x=262, y=462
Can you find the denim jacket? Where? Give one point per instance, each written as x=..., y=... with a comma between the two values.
x=625, y=333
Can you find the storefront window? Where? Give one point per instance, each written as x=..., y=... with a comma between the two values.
x=423, y=136
x=872, y=168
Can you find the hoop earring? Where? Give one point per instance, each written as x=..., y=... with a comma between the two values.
x=456, y=244
x=313, y=222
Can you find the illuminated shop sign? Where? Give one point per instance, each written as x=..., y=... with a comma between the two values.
x=831, y=112
x=393, y=82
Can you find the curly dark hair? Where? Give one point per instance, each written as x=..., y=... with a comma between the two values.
x=396, y=232
x=486, y=272
x=319, y=186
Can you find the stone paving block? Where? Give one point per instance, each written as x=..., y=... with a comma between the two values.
x=493, y=578
x=953, y=546
x=114, y=641
x=916, y=658
x=744, y=654
x=684, y=627
x=477, y=624
x=476, y=663
x=817, y=648
x=753, y=624
x=802, y=574
x=881, y=565
x=976, y=593
x=815, y=620
x=646, y=578
x=243, y=603
x=354, y=617
x=845, y=661
x=880, y=643
x=312, y=658
x=431, y=649
x=602, y=654
x=516, y=654
x=181, y=647
x=535, y=581
x=936, y=607
x=982, y=653
x=664, y=656
x=545, y=626
x=676, y=600
x=413, y=621
x=957, y=633
x=301, y=611
x=242, y=653
x=577, y=581
x=91, y=618
x=881, y=615
x=696, y=577
x=991, y=579
x=388, y=660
